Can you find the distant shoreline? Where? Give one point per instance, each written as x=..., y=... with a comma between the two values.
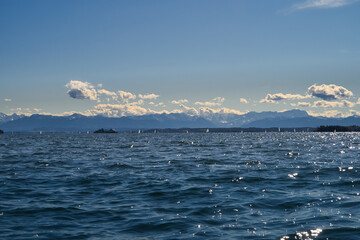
x=335, y=128
x=181, y=130
x=225, y=130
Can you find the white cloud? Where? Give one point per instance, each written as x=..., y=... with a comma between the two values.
x=322, y=4
x=81, y=90
x=117, y=110
x=106, y=92
x=214, y=102
x=181, y=101
x=301, y=104
x=19, y=111
x=324, y=92
x=139, y=102
x=243, y=100
x=219, y=99
x=326, y=104
x=47, y=113
x=329, y=92
x=126, y=96
x=149, y=96
x=271, y=98
x=150, y=111
x=331, y=113
x=209, y=104
x=358, y=101
x=205, y=111
x=7, y=100
x=160, y=104
x=354, y=112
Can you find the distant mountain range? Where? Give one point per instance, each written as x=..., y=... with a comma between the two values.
x=6, y=118
x=78, y=122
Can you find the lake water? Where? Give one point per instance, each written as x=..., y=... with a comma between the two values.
x=180, y=186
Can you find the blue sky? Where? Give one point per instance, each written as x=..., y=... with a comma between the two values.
x=120, y=58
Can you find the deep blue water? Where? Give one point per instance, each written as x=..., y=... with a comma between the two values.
x=180, y=186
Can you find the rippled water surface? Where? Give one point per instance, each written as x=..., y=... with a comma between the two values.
x=180, y=186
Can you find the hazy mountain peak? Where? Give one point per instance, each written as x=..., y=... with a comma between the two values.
x=5, y=118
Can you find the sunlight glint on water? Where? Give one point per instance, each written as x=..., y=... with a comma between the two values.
x=180, y=186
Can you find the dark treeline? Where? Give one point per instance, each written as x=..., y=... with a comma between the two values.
x=102, y=130
x=1, y=131
x=337, y=129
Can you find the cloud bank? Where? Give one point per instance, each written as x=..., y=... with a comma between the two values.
x=117, y=110
x=122, y=103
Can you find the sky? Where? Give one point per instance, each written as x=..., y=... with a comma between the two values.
x=134, y=57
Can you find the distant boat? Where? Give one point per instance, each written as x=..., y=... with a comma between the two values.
x=105, y=131
x=207, y=130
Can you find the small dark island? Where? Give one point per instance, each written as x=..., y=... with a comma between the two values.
x=105, y=131
x=337, y=128
x=1, y=131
